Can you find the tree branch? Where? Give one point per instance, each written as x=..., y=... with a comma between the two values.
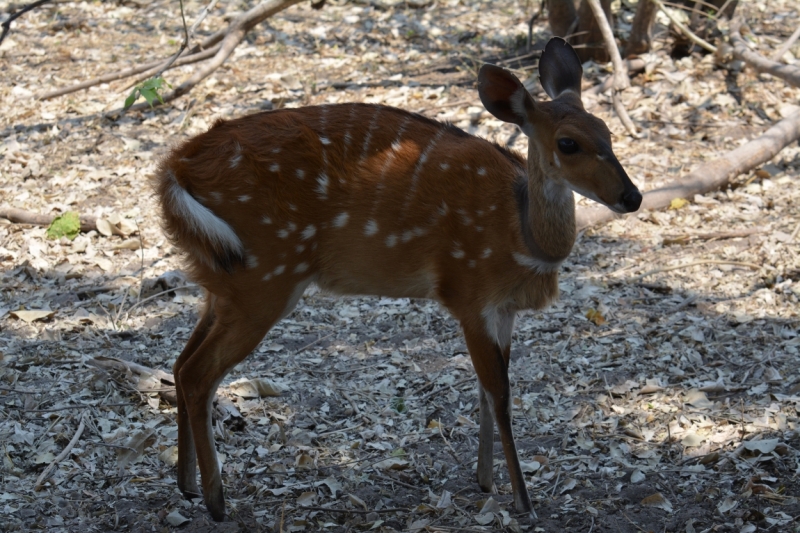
x=6, y=25
x=686, y=31
x=759, y=63
x=20, y=216
x=234, y=35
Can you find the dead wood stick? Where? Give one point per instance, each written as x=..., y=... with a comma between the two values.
x=234, y=35
x=46, y=473
x=20, y=216
x=621, y=79
x=711, y=175
x=759, y=63
x=715, y=235
x=788, y=44
x=751, y=266
x=686, y=31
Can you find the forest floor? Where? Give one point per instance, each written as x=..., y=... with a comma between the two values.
x=660, y=393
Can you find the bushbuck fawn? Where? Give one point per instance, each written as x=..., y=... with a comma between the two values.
x=367, y=199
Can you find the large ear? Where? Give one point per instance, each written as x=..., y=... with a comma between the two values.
x=503, y=95
x=560, y=69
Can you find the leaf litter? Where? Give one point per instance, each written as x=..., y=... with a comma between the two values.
x=659, y=393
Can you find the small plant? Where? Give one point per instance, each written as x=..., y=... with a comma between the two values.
x=149, y=90
x=67, y=225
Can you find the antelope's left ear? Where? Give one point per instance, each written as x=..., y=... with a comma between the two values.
x=560, y=69
x=504, y=96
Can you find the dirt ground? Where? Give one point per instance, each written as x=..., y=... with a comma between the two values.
x=660, y=393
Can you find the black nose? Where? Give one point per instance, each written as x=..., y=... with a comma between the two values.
x=632, y=200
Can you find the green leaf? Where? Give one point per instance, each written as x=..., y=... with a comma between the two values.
x=131, y=98
x=67, y=225
x=149, y=90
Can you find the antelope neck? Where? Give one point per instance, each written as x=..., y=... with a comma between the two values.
x=547, y=213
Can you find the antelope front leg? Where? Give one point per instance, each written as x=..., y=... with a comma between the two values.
x=489, y=341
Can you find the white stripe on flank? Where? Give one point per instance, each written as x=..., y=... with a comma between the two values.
x=420, y=163
x=201, y=219
x=368, y=138
x=322, y=186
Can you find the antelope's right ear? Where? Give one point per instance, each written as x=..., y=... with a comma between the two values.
x=504, y=96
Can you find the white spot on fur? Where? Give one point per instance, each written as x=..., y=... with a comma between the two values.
x=347, y=138
x=481, y=171
x=486, y=253
x=280, y=269
x=245, y=198
x=391, y=240
x=276, y=150
x=274, y=167
x=282, y=233
x=341, y=220
x=444, y=166
x=322, y=185
x=292, y=207
x=458, y=253
x=300, y=173
x=443, y=209
x=217, y=197
x=478, y=228
x=537, y=265
x=235, y=160
x=325, y=141
x=407, y=236
x=301, y=267
x=267, y=276
x=251, y=261
x=300, y=248
x=371, y=228
x=472, y=263
x=308, y=232
x=492, y=207
x=266, y=220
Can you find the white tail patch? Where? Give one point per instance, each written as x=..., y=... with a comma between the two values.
x=202, y=220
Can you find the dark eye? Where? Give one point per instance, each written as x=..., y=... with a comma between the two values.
x=567, y=146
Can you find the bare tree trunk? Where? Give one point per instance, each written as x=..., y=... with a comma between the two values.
x=562, y=15
x=641, y=30
x=589, y=38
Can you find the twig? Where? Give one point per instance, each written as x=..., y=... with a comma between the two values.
x=393, y=480
x=445, y=387
x=61, y=456
x=623, y=114
x=156, y=295
x=441, y=432
x=20, y=216
x=752, y=266
x=354, y=511
x=6, y=25
x=785, y=48
x=686, y=31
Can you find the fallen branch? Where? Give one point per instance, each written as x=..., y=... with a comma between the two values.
x=751, y=266
x=759, y=63
x=46, y=473
x=711, y=175
x=20, y=216
x=145, y=375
